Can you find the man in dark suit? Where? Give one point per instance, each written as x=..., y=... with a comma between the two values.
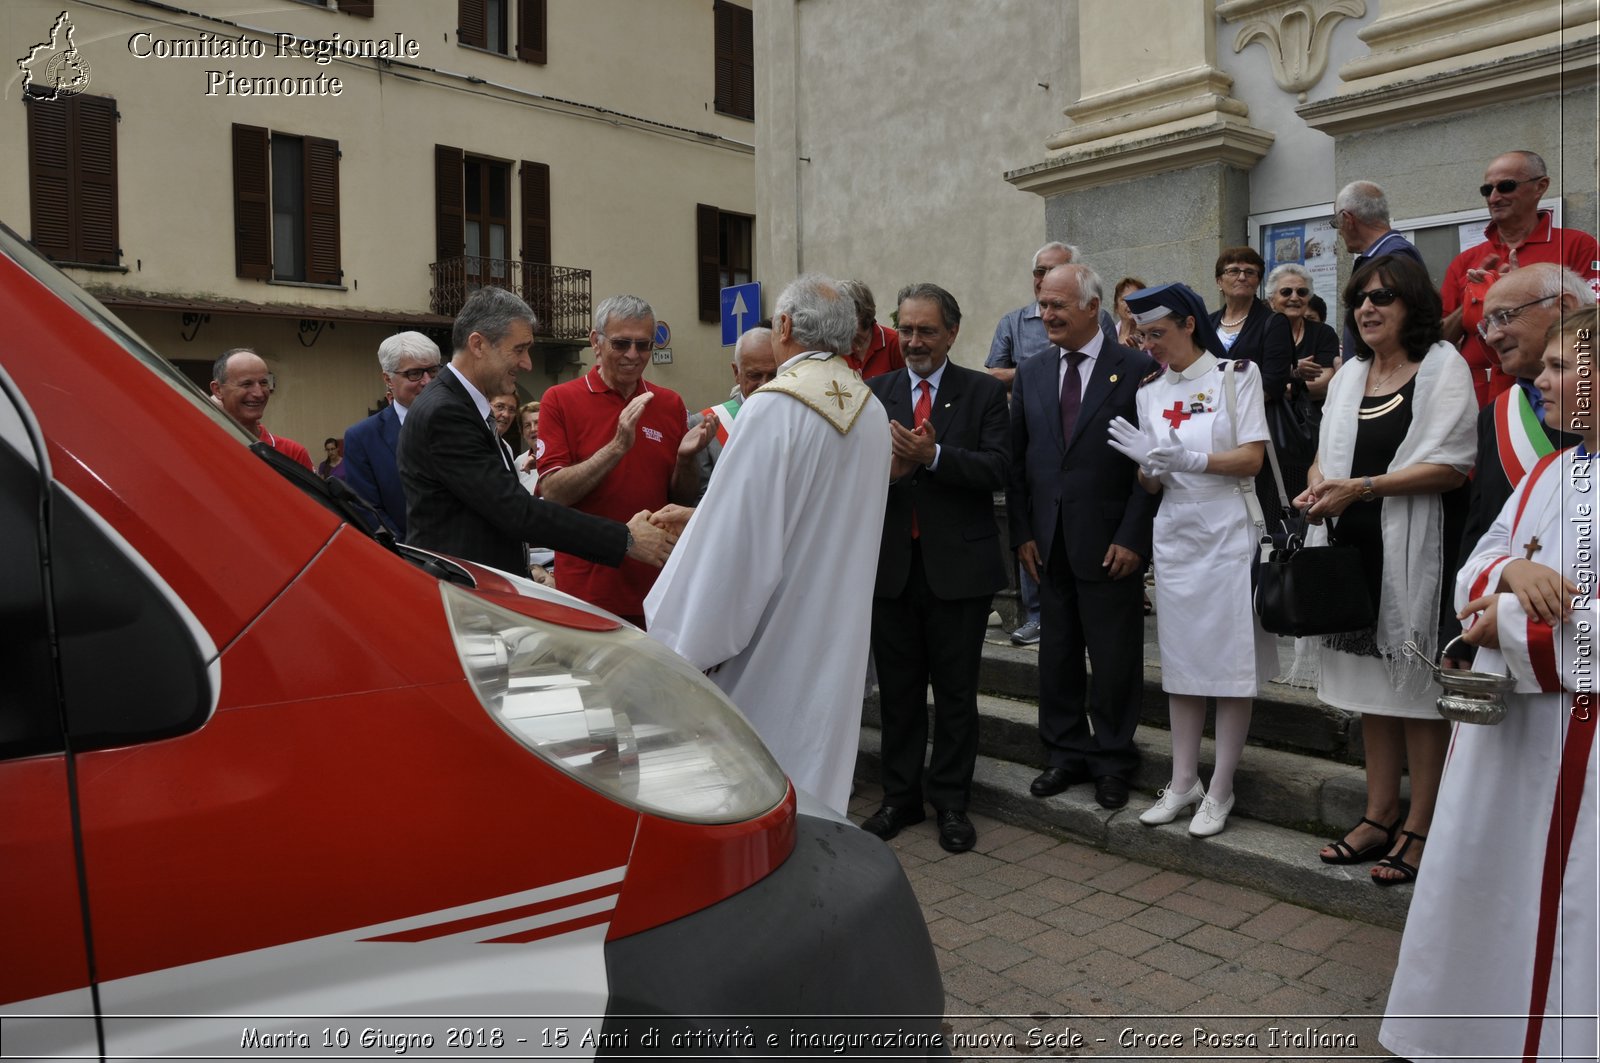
x=407, y=360
x=939, y=564
x=1081, y=526
x=462, y=495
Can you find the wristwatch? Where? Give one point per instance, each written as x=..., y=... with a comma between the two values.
x=1367, y=494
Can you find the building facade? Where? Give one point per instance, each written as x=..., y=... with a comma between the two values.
x=308, y=177
x=945, y=140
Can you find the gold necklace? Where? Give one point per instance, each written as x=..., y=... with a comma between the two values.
x=1376, y=388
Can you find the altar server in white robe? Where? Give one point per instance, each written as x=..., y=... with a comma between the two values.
x=1500, y=953
x=770, y=588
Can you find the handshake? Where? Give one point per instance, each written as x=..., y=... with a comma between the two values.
x=1154, y=460
x=655, y=533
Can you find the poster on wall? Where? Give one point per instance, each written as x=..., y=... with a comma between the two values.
x=1309, y=242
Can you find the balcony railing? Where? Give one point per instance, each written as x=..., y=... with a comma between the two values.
x=559, y=295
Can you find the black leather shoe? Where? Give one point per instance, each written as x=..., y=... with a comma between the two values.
x=1052, y=781
x=887, y=821
x=956, y=832
x=1111, y=791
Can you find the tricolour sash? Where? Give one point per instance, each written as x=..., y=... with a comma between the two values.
x=1519, y=437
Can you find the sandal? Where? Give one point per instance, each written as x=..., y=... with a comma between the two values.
x=1397, y=862
x=1344, y=854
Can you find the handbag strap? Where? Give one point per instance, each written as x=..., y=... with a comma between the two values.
x=1232, y=390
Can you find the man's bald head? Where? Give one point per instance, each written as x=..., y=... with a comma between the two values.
x=1521, y=307
x=754, y=360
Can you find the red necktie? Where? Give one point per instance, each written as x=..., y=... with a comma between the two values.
x=919, y=417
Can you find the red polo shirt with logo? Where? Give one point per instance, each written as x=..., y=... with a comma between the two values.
x=1572, y=248
x=576, y=419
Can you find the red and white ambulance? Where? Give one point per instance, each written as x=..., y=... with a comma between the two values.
x=271, y=787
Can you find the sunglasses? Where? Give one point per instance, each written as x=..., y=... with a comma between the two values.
x=1379, y=297
x=1284, y=293
x=620, y=344
x=418, y=373
x=1506, y=187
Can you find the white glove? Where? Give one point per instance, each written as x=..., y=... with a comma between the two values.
x=1130, y=441
x=1173, y=456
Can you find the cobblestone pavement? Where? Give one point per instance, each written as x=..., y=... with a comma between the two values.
x=1039, y=937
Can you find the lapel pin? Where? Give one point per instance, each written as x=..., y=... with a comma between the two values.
x=1113, y=378
x=947, y=405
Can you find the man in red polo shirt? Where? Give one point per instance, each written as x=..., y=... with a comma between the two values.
x=615, y=445
x=1519, y=234
x=875, y=350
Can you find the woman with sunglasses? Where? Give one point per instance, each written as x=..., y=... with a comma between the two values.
x=1311, y=349
x=1397, y=432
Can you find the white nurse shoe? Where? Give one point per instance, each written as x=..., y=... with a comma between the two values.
x=1171, y=803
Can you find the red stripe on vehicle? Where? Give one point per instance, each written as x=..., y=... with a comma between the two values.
x=554, y=929
x=457, y=926
x=1563, y=823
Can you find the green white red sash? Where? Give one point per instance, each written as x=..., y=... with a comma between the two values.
x=724, y=414
x=1519, y=437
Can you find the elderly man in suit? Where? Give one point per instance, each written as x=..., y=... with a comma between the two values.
x=939, y=564
x=408, y=361
x=1081, y=527
x=462, y=494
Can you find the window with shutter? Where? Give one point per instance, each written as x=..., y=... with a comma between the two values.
x=472, y=23
x=286, y=207
x=536, y=281
x=725, y=250
x=448, y=197
x=735, y=83
x=531, y=46
x=72, y=178
x=360, y=8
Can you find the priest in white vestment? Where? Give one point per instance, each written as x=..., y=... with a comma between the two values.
x=770, y=587
x=1501, y=952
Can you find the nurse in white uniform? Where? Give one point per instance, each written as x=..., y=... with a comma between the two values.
x=1204, y=436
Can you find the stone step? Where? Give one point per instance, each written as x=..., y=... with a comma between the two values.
x=1264, y=856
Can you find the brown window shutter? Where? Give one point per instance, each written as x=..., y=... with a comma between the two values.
x=50, y=177
x=252, y=203
x=472, y=23
x=535, y=212
x=735, y=59
x=536, y=240
x=96, y=191
x=531, y=41
x=449, y=194
x=710, y=262
x=359, y=8
x=322, y=211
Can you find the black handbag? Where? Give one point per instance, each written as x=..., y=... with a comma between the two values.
x=1294, y=422
x=1312, y=590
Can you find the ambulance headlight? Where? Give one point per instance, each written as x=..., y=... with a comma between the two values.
x=617, y=711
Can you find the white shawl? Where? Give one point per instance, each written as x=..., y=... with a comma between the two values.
x=1443, y=432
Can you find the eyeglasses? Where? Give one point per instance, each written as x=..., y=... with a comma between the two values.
x=417, y=373
x=1499, y=319
x=1379, y=297
x=1338, y=219
x=1284, y=293
x=1241, y=271
x=620, y=344
x=1505, y=187
x=921, y=332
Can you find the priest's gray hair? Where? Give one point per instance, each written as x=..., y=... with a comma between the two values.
x=822, y=315
x=402, y=345
x=621, y=308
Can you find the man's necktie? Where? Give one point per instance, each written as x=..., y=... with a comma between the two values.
x=919, y=417
x=499, y=447
x=1071, y=395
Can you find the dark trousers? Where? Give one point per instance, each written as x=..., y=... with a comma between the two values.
x=1087, y=715
x=917, y=639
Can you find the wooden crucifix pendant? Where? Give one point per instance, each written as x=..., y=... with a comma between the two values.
x=1531, y=548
